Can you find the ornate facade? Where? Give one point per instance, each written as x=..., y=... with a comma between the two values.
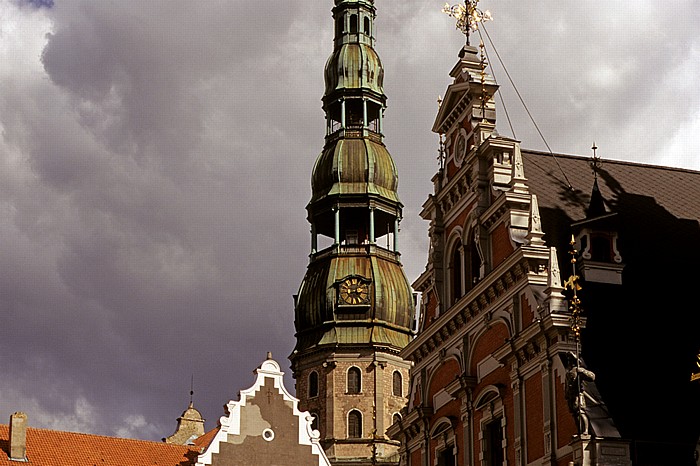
x=496, y=376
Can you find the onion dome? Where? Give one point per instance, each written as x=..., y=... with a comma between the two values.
x=354, y=166
x=354, y=66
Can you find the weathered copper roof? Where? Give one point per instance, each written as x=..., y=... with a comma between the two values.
x=387, y=320
x=355, y=166
x=354, y=66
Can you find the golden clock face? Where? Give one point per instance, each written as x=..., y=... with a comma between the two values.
x=353, y=291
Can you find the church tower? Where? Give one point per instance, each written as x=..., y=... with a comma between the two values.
x=354, y=311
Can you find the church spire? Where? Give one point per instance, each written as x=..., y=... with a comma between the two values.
x=354, y=310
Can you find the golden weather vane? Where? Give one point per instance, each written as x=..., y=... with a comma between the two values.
x=468, y=16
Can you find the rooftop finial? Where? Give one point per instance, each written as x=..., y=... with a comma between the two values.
x=468, y=16
x=596, y=162
x=191, y=390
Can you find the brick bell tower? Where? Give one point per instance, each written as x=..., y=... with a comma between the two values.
x=354, y=310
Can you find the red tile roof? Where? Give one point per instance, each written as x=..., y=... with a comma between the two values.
x=58, y=448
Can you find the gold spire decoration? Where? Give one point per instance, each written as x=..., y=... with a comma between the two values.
x=574, y=303
x=468, y=16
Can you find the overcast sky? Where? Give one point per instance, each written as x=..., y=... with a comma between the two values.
x=155, y=161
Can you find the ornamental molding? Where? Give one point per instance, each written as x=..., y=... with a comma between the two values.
x=526, y=266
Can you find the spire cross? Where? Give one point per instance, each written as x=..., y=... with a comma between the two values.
x=468, y=16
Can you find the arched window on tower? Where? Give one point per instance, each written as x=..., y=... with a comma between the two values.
x=353, y=24
x=354, y=424
x=315, y=422
x=367, y=23
x=354, y=380
x=313, y=384
x=396, y=418
x=339, y=26
x=397, y=384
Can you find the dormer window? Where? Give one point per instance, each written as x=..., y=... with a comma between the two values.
x=599, y=258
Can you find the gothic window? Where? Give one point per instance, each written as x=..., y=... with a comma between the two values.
x=397, y=384
x=354, y=380
x=313, y=384
x=354, y=424
x=396, y=418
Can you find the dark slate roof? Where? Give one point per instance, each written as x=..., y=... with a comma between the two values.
x=676, y=190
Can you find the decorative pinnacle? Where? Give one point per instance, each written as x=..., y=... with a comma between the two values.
x=468, y=16
x=596, y=162
x=574, y=303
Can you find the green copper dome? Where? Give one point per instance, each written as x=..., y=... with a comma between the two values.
x=355, y=166
x=354, y=66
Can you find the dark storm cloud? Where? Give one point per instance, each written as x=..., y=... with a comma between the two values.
x=155, y=164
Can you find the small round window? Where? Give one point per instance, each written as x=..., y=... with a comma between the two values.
x=268, y=435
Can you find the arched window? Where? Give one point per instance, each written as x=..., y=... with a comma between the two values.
x=397, y=384
x=354, y=424
x=313, y=384
x=315, y=421
x=339, y=26
x=456, y=269
x=354, y=380
x=367, y=31
x=396, y=418
x=353, y=23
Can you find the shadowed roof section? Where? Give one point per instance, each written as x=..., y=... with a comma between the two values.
x=676, y=190
x=56, y=448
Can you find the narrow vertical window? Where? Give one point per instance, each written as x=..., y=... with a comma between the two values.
x=367, y=31
x=494, y=443
x=353, y=23
x=456, y=273
x=397, y=384
x=315, y=421
x=313, y=384
x=354, y=424
x=354, y=380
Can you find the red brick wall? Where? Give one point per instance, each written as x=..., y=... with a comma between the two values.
x=430, y=309
x=444, y=375
x=416, y=458
x=534, y=417
x=487, y=343
x=500, y=244
x=566, y=427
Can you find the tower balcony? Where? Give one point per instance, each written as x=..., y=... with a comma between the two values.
x=366, y=249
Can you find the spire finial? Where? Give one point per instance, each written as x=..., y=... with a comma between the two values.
x=192, y=390
x=468, y=16
x=596, y=162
